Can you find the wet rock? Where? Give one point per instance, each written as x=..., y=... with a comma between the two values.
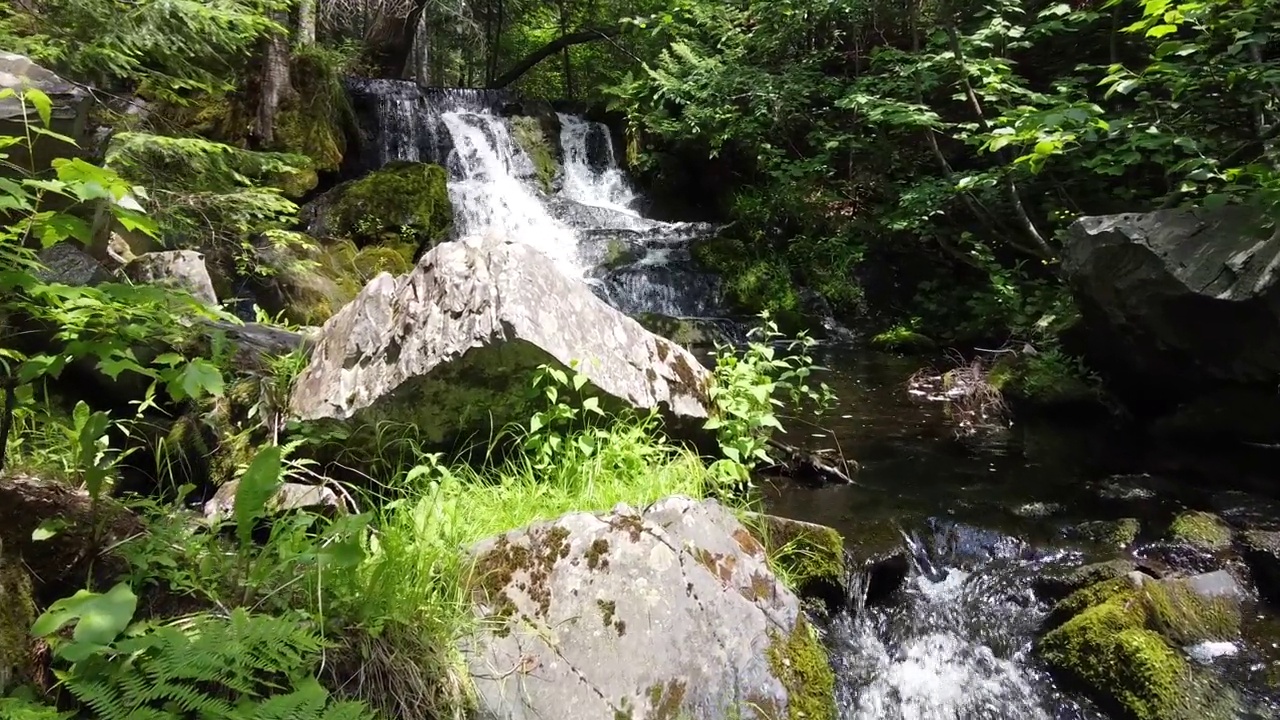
x=17, y=613
x=1261, y=550
x=1247, y=510
x=1180, y=304
x=1117, y=533
x=1121, y=640
x=176, y=269
x=1057, y=584
x=573, y=606
x=811, y=555
x=685, y=332
x=452, y=347
x=291, y=497
x=1216, y=584
x=1202, y=530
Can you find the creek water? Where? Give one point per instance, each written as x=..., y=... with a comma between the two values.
x=982, y=516
x=985, y=515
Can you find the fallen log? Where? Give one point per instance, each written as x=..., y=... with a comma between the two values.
x=807, y=467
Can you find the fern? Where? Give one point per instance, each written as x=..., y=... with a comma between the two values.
x=13, y=708
x=212, y=668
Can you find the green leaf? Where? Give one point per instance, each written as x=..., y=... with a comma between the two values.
x=257, y=486
x=1161, y=30
x=101, y=617
x=47, y=529
x=41, y=102
x=201, y=377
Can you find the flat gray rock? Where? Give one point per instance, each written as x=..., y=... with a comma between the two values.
x=452, y=347
x=176, y=269
x=667, y=613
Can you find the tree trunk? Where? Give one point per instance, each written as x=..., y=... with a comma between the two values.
x=273, y=87
x=306, y=23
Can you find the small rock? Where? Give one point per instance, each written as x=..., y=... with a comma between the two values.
x=1201, y=530
x=68, y=263
x=290, y=497
x=177, y=269
x=1216, y=584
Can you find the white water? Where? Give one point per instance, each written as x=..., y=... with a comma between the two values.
x=607, y=187
x=931, y=668
x=489, y=197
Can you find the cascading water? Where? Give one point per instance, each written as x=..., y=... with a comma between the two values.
x=590, y=226
x=955, y=644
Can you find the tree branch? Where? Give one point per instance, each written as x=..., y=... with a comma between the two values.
x=551, y=48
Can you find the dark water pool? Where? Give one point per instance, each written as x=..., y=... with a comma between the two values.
x=993, y=510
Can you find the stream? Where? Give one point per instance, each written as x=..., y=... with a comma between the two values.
x=988, y=514
x=982, y=516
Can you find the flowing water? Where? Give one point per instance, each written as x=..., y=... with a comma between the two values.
x=589, y=226
x=981, y=517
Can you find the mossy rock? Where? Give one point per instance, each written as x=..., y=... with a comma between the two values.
x=800, y=662
x=809, y=557
x=1057, y=585
x=528, y=132
x=1044, y=380
x=686, y=332
x=303, y=281
x=1117, y=533
x=1119, y=638
x=1201, y=530
x=17, y=613
x=401, y=203
x=900, y=339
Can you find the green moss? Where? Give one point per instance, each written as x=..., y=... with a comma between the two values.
x=1118, y=638
x=310, y=121
x=800, y=663
x=1117, y=533
x=1200, y=529
x=528, y=133
x=524, y=565
x=802, y=553
x=903, y=339
x=375, y=259
x=403, y=202
x=1048, y=377
x=752, y=281
x=16, y=616
x=665, y=700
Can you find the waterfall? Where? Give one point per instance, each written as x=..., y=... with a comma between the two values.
x=589, y=225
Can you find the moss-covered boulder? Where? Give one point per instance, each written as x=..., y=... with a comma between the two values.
x=902, y=339
x=1046, y=379
x=1057, y=584
x=17, y=613
x=1202, y=530
x=671, y=613
x=306, y=282
x=686, y=332
x=404, y=203
x=1120, y=639
x=1116, y=533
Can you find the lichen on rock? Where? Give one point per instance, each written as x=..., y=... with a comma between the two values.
x=1201, y=530
x=585, y=597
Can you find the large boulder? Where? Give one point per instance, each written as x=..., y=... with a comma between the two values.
x=451, y=348
x=672, y=612
x=402, y=202
x=1180, y=303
